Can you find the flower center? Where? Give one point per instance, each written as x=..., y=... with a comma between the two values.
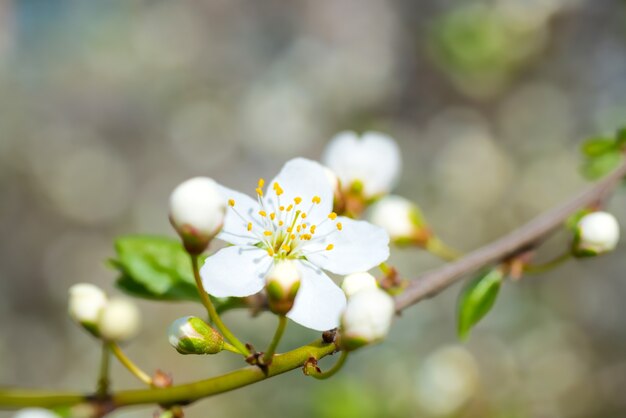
x=285, y=229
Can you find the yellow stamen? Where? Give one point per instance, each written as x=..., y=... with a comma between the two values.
x=316, y=199
x=339, y=226
x=297, y=200
x=270, y=251
x=289, y=208
x=231, y=203
x=313, y=229
x=299, y=228
x=332, y=215
x=249, y=226
x=330, y=247
x=281, y=223
x=267, y=233
x=272, y=216
x=278, y=189
x=263, y=213
x=282, y=208
x=259, y=191
x=293, y=236
x=286, y=248
x=290, y=229
x=303, y=215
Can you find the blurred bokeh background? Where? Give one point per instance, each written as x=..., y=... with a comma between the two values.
x=106, y=105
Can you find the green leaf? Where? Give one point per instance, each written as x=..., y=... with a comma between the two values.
x=596, y=147
x=476, y=299
x=154, y=268
x=572, y=222
x=597, y=167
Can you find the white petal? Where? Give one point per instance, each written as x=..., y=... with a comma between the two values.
x=305, y=179
x=359, y=246
x=235, y=271
x=374, y=160
x=319, y=302
x=235, y=229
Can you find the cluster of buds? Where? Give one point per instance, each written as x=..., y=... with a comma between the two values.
x=191, y=335
x=596, y=233
x=197, y=210
x=110, y=319
x=368, y=314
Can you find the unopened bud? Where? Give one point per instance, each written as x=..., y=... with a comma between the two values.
x=366, y=319
x=35, y=413
x=357, y=282
x=401, y=218
x=119, y=320
x=197, y=210
x=596, y=233
x=191, y=335
x=84, y=305
x=282, y=284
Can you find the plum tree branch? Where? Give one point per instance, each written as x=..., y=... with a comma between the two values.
x=522, y=239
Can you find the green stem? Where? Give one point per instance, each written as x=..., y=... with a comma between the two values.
x=215, y=318
x=437, y=247
x=103, y=379
x=542, y=268
x=19, y=398
x=331, y=372
x=132, y=367
x=280, y=330
x=231, y=348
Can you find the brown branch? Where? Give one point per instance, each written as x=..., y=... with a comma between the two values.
x=520, y=240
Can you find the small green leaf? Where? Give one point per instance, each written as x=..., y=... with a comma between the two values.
x=620, y=138
x=476, y=299
x=597, y=167
x=596, y=147
x=572, y=222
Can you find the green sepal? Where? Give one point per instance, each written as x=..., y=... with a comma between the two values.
x=476, y=300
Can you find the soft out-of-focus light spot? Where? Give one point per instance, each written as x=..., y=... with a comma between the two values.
x=150, y=208
x=87, y=181
x=169, y=35
x=471, y=168
x=73, y=258
x=278, y=119
x=447, y=380
x=202, y=135
x=537, y=110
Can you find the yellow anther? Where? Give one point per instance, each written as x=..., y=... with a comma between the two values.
x=330, y=247
x=281, y=223
x=290, y=229
x=299, y=228
x=332, y=215
x=297, y=200
x=286, y=248
x=249, y=226
x=282, y=208
x=263, y=213
x=313, y=229
x=289, y=208
x=231, y=202
x=303, y=215
x=270, y=251
x=267, y=233
x=306, y=237
x=272, y=216
x=304, y=226
x=339, y=226
x=278, y=189
x=316, y=199
x=259, y=191
x=293, y=236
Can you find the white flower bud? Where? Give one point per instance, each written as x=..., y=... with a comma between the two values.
x=370, y=164
x=197, y=210
x=86, y=301
x=366, y=319
x=282, y=284
x=357, y=282
x=400, y=217
x=35, y=413
x=119, y=320
x=597, y=233
x=191, y=335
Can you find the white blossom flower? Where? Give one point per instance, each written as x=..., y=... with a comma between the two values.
x=293, y=220
x=85, y=303
x=400, y=217
x=119, y=320
x=371, y=162
x=35, y=413
x=598, y=233
x=357, y=282
x=367, y=318
x=197, y=212
x=191, y=335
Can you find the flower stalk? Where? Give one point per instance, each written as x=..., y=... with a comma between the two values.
x=278, y=334
x=314, y=371
x=103, y=379
x=130, y=365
